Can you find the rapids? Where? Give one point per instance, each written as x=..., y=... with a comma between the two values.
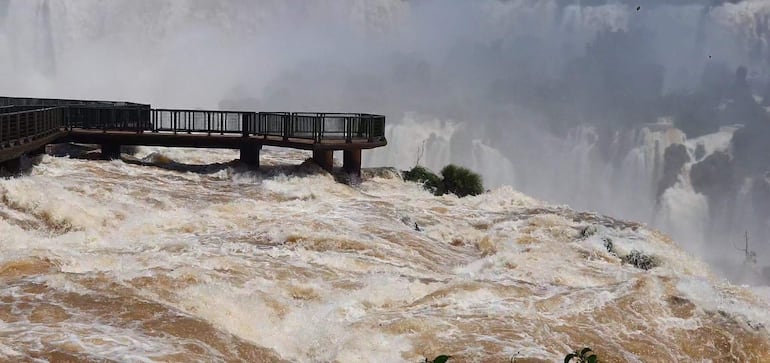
x=104, y=260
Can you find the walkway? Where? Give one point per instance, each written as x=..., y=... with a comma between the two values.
x=28, y=124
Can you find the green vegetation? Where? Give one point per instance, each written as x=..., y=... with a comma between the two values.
x=461, y=181
x=584, y=356
x=439, y=359
x=635, y=257
x=640, y=260
x=454, y=179
x=430, y=180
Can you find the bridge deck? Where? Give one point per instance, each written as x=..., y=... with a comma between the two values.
x=204, y=140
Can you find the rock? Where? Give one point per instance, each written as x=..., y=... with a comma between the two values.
x=640, y=260
x=713, y=176
x=750, y=149
x=383, y=172
x=588, y=231
x=609, y=245
x=130, y=149
x=700, y=151
x=69, y=149
x=674, y=159
x=760, y=202
x=766, y=96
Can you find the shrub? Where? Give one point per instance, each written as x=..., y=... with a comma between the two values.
x=584, y=356
x=640, y=260
x=430, y=180
x=461, y=181
x=439, y=359
x=456, y=180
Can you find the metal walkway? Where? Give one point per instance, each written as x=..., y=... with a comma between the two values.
x=28, y=124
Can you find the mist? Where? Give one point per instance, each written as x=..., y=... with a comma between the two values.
x=657, y=114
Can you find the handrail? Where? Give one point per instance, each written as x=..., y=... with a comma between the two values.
x=28, y=111
x=22, y=127
x=36, y=117
x=31, y=101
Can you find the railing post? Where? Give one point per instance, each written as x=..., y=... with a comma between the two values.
x=317, y=125
x=113, y=118
x=245, y=124
x=263, y=124
x=34, y=124
x=208, y=122
x=348, y=130
x=285, y=128
x=18, y=126
x=369, y=128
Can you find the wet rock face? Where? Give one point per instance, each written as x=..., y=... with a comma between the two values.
x=674, y=159
x=751, y=149
x=760, y=197
x=766, y=96
x=713, y=176
x=700, y=151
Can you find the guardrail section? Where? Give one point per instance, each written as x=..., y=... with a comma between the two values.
x=110, y=116
x=21, y=127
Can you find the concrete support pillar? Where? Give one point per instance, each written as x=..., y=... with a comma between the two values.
x=250, y=155
x=351, y=161
x=325, y=159
x=110, y=151
x=11, y=167
x=39, y=151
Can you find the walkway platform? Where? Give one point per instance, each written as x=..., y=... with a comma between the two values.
x=28, y=124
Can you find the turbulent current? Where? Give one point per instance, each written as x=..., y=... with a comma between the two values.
x=105, y=260
x=640, y=112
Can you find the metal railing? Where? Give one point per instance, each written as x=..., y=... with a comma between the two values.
x=28, y=101
x=347, y=127
x=21, y=127
x=197, y=121
x=111, y=116
x=108, y=117
x=13, y=109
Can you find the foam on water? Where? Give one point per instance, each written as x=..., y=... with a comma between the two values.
x=289, y=264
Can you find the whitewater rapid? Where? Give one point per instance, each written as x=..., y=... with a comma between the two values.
x=104, y=260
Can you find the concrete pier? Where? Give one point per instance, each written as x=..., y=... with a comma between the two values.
x=325, y=159
x=11, y=167
x=351, y=161
x=250, y=155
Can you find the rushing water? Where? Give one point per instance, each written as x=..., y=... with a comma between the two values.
x=211, y=262
x=577, y=170
x=431, y=78
x=104, y=260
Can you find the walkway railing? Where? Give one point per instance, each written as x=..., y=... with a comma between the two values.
x=21, y=127
x=299, y=125
x=22, y=116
